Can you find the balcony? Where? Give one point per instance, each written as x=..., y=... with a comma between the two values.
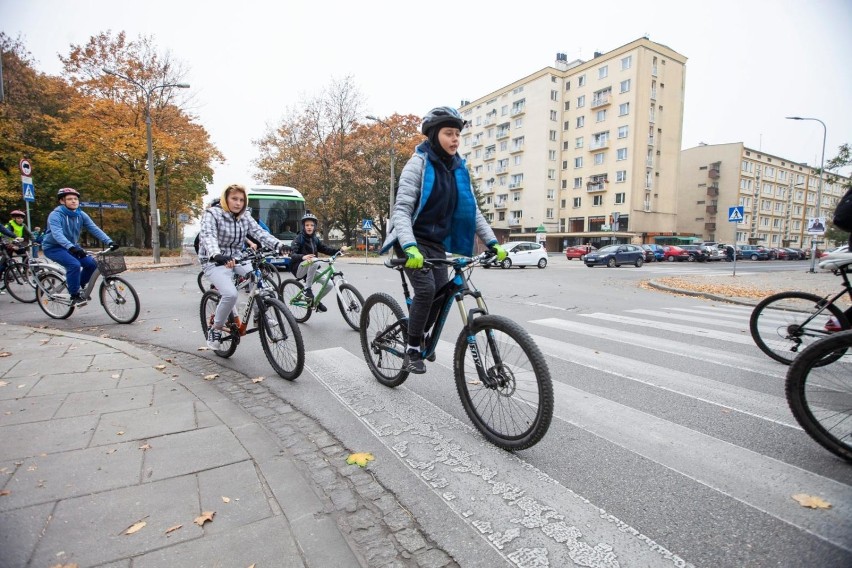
x=650, y=140
x=652, y=118
x=516, y=185
x=502, y=134
x=711, y=209
x=709, y=226
x=596, y=184
x=514, y=221
x=517, y=111
x=600, y=101
x=649, y=185
x=713, y=189
x=516, y=148
x=599, y=144
x=646, y=207
x=653, y=94
x=713, y=171
x=489, y=156
x=500, y=204
x=649, y=162
x=501, y=170
x=477, y=141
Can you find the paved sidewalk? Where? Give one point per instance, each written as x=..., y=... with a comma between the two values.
x=113, y=455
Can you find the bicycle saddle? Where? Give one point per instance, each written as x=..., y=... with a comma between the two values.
x=836, y=261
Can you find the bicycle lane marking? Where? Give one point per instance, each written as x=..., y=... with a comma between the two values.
x=539, y=523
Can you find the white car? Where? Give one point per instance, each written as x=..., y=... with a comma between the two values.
x=523, y=254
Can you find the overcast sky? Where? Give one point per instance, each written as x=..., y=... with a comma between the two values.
x=750, y=63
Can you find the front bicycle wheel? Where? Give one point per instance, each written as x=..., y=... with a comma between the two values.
x=820, y=395
x=119, y=299
x=350, y=301
x=784, y=324
x=513, y=405
x=53, y=297
x=281, y=338
x=292, y=294
x=20, y=283
x=384, y=336
x=230, y=335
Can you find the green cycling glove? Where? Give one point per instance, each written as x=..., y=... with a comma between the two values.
x=499, y=251
x=415, y=259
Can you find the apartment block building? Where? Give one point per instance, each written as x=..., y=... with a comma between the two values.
x=778, y=196
x=582, y=151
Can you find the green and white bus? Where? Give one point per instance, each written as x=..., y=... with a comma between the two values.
x=280, y=208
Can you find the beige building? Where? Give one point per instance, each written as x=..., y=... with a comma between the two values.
x=588, y=151
x=779, y=197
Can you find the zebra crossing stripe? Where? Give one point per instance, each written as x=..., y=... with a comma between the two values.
x=681, y=329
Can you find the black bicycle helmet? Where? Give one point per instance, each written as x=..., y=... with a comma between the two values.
x=442, y=116
x=65, y=191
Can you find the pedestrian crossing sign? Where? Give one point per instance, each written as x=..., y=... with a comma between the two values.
x=367, y=225
x=735, y=214
x=29, y=192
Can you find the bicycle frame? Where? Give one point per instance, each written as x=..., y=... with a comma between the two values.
x=847, y=289
x=326, y=275
x=454, y=291
x=256, y=286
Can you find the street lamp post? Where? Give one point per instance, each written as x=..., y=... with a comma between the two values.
x=821, y=177
x=152, y=189
x=392, y=173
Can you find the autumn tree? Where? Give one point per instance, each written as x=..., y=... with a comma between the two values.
x=107, y=127
x=842, y=160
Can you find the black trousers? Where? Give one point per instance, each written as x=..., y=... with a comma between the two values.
x=423, y=284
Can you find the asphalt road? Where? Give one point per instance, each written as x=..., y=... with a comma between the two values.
x=671, y=442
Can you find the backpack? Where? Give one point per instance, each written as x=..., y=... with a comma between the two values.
x=843, y=212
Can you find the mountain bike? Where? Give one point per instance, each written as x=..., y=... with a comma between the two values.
x=783, y=324
x=820, y=394
x=117, y=296
x=17, y=278
x=349, y=300
x=501, y=376
x=280, y=336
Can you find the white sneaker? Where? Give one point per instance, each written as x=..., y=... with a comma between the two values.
x=214, y=339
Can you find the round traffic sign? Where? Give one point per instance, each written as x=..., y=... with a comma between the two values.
x=26, y=167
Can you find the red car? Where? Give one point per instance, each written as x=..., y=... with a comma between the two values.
x=673, y=253
x=579, y=251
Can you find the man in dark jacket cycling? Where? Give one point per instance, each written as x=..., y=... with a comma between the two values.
x=303, y=255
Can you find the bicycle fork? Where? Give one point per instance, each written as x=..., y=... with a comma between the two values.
x=491, y=380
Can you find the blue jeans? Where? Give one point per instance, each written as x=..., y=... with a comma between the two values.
x=78, y=271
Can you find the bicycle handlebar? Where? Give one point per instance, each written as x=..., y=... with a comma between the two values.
x=429, y=262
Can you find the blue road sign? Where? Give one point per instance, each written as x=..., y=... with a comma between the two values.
x=368, y=224
x=104, y=205
x=735, y=214
x=29, y=192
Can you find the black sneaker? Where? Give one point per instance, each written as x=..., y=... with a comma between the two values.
x=78, y=300
x=414, y=362
x=321, y=307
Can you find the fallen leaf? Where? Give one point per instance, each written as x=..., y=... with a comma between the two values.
x=5, y=354
x=135, y=527
x=360, y=459
x=21, y=386
x=204, y=517
x=116, y=376
x=5, y=492
x=159, y=367
x=145, y=447
x=173, y=529
x=211, y=376
x=120, y=433
x=226, y=499
x=158, y=328
x=110, y=451
x=811, y=501
x=3, y=383
x=203, y=349
x=257, y=379
x=168, y=360
x=72, y=565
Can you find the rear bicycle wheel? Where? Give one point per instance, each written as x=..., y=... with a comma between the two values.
x=779, y=324
x=384, y=336
x=53, y=297
x=230, y=335
x=281, y=338
x=270, y=274
x=820, y=395
x=20, y=283
x=514, y=407
x=203, y=282
x=119, y=299
x=350, y=301
x=292, y=294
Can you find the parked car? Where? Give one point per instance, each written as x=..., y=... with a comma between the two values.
x=696, y=253
x=616, y=255
x=672, y=253
x=578, y=251
x=755, y=252
x=794, y=254
x=657, y=252
x=523, y=254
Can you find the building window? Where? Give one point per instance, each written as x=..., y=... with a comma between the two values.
x=577, y=202
x=581, y=81
x=516, y=196
x=565, y=144
x=599, y=158
x=552, y=135
x=517, y=160
x=551, y=194
x=578, y=182
x=519, y=122
x=564, y=164
x=621, y=176
x=564, y=184
x=621, y=154
x=622, y=131
x=626, y=62
x=501, y=215
x=581, y=120
x=548, y=213
x=567, y=105
x=578, y=162
x=624, y=86
x=620, y=198
x=551, y=174
x=578, y=142
x=600, y=116
x=597, y=200
x=603, y=72
x=623, y=109
x=551, y=155
x=553, y=115
x=581, y=101
x=554, y=95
